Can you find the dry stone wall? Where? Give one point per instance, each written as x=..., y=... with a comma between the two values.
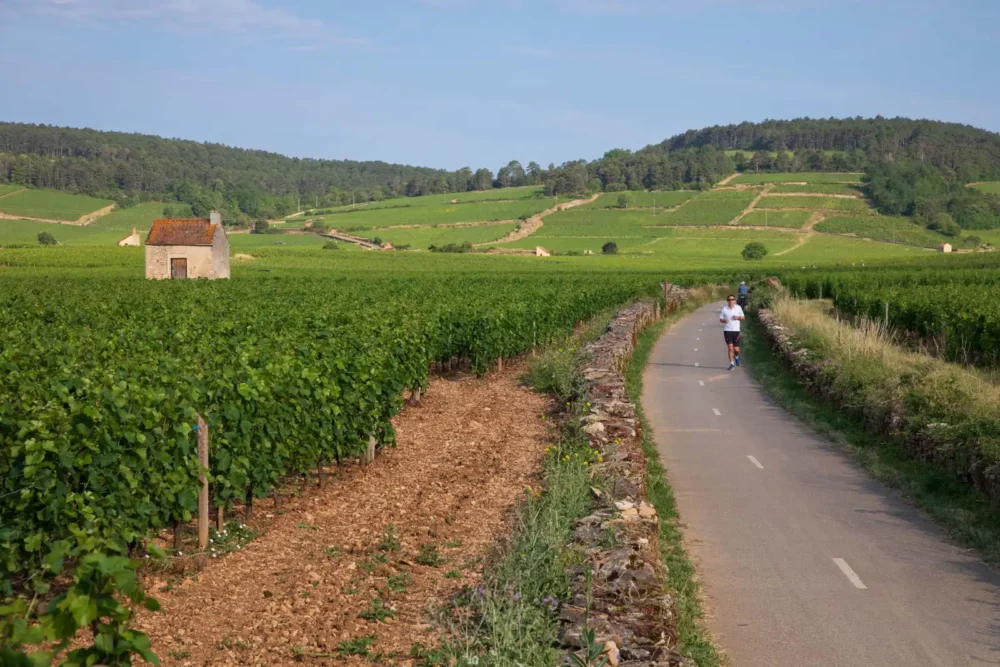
x=630, y=608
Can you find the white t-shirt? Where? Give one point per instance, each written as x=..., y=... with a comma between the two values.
x=728, y=314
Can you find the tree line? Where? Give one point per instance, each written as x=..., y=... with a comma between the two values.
x=250, y=184
x=962, y=152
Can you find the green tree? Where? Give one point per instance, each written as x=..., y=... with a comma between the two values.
x=482, y=179
x=624, y=199
x=45, y=238
x=610, y=248
x=754, y=250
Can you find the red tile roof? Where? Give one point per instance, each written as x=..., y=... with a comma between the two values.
x=181, y=231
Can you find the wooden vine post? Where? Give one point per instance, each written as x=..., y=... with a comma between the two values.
x=370, y=454
x=203, y=491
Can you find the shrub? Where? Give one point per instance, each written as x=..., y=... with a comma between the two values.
x=260, y=226
x=331, y=245
x=44, y=238
x=754, y=250
x=623, y=200
x=945, y=224
x=610, y=248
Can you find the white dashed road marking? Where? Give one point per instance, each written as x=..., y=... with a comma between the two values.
x=695, y=349
x=753, y=460
x=716, y=411
x=696, y=364
x=849, y=573
x=701, y=383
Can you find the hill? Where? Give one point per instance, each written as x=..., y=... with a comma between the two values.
x=963, y=152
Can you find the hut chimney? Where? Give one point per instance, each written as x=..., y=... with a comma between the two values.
x=215, y=218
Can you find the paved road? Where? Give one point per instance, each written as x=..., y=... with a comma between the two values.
x=805, y=559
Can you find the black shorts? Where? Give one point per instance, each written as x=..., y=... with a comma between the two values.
x=732, y=337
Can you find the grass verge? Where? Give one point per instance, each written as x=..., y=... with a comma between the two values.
x=693, y=640
x=966, y=513
x=511, y=619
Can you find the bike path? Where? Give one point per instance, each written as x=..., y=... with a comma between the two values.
x=805, y=559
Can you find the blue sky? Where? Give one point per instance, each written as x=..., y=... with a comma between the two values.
x=451, y=83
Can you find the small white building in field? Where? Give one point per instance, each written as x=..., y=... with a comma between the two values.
x=180, y=248
x=134, y=239
x=541, y=252
x=944, y=247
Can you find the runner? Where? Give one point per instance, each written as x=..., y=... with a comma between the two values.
x=731, y=316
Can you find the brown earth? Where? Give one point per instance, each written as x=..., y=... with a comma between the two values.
x=464, y=456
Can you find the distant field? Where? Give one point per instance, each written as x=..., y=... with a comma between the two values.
x=123, y=220
x=815, y=203
x=27, y=231
x=885, y=228
x=247, y=242
x=421, y=238
x=717, y=207
x=7, y=189
x=421, y=213
x=499, y=194
x=643, y=199
x=819, y=188
x=51, y=204
x=800, y=177
x=822, y=249
x=789, y=219
x=993, y=187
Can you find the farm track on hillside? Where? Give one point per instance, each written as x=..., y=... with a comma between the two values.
x=464, y=456
x=82, y=221
x=534, y=223
x=749, y=208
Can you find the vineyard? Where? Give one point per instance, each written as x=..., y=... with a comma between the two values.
x=815, y=203
x=887, y=228
x=951, y=310
x=803, y=177
x=104, y=379
x=789, y=219
x=818, y=188
x=50, y=204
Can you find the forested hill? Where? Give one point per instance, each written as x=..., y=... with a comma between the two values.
x=963, y=152
x=110, y=163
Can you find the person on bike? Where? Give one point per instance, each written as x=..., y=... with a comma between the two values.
x=731, y=316
x=742, y=291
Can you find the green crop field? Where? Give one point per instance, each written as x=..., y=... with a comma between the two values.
x=6, y=189
x=479, y=196
x=51, y=204
x=643, y=199
x=993, y=187
x=715, y=207
x=245, y=242
x=27, y=231
x=788, y=219
x=814, y=203
x=124, y=219
x=419, y=239
x=799, y=177
x=818, y=188
x=886, y=228
x=417, y=212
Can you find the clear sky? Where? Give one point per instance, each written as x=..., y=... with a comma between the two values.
x=451, y=83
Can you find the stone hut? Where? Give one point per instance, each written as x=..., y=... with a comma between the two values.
x=944, y=247
x=541, y=252
x=181, y=248
x=133, y=239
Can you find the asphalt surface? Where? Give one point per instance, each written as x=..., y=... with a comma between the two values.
x=804, y=558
